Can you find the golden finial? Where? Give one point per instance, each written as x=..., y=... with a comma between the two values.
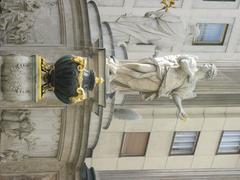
x=81, y=66
x=99, y=80
x=168, y=4
x=184, y=119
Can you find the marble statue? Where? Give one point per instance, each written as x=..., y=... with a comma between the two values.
x=173, y=76
x=159, y=28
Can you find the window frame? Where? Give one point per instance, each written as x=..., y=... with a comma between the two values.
x=220, y=140
x=220, y=1
x=184, y=154
x=202, y=4
x=205, y=43
x=123, y=139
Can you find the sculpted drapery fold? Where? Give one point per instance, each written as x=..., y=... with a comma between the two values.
x=159, y=28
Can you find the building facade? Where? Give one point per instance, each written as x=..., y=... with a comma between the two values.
x=158, y=146
x=50, y=140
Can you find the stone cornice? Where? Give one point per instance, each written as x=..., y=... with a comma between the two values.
x=170, y=174
x=202, y=100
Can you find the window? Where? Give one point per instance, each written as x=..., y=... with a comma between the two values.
x=184, y=143
x=222, y=0
x=229, y=143
x=210, y=34
x=216, y=4
x=134, y=144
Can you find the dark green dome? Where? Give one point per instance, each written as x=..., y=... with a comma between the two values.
x=64, y=79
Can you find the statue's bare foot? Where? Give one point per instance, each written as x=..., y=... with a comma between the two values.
x=112, y=65
x=113, y=60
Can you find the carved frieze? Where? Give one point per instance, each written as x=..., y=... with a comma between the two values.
x=29, y=133
x=29, y=177
x=16, y=124
x=17, y=78
x=11, y=155
x=32, y=22
x=16, y=20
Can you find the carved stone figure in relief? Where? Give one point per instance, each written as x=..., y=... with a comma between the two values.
x=16, y=20
x=31, y=177
x=16, y=78
x=16, y=124
x=173, y=76
x=30, y=5
x=11, y=155
x=159, y=28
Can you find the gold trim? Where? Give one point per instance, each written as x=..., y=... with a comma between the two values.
x=81, y=94
x=80, y=97
x=42, y=68
x=47, y=69
x=39, y=74
x=168, y=4
x=99, y=80
x=81, y=66
x=82, y=62
x=45, y=66
x=184, y=119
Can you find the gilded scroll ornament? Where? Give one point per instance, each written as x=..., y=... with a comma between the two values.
x=168, y=4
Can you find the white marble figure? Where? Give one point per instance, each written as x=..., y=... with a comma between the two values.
x=159, y=28
x=173, y=76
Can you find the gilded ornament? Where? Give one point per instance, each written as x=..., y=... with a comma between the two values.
x=80, y=97
x=168, y=4
x=99, y=80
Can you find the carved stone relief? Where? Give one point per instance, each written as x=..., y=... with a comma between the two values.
x=29, y=21
x=11, y=155
x=17, y=78
x=29, y=177
x=15, y=124
x=29, y=133
x=16, y=20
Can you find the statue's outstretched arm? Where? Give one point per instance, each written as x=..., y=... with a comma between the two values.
x=178, y=101
x=123, y=15
x=157, y=13
x=184, y=63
